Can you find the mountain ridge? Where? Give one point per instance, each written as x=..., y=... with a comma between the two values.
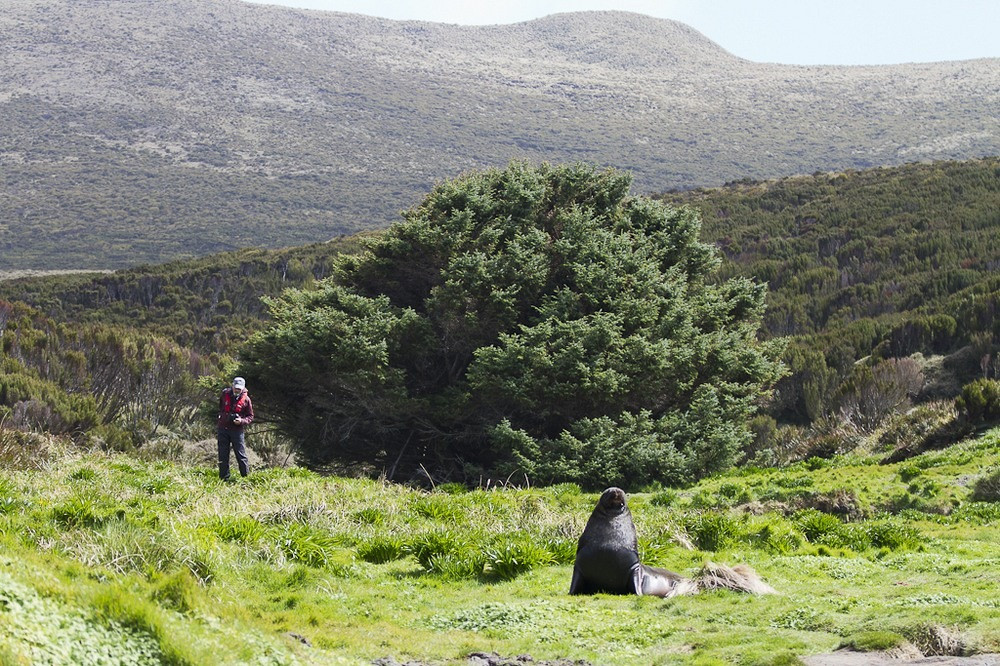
x=145, y=126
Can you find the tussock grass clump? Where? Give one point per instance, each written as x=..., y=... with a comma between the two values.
x=715, y=531
x=83, y=474
x=24, y=450
x=890, y=533
x=935, y=640
x=563, y=550
x=987, y=487
x=382, y=549
x=819, y=527
x=308, y=545
x=177, y=591
x=777, y=537
x=124, y=547
x=370, y=516
x=458, y=565
x=509, y=557
x=430, y=545
x=86, y=511
x=437, y=508
x=238, y=529
x=893, y=534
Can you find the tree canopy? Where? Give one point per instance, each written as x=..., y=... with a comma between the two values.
x=535, y=318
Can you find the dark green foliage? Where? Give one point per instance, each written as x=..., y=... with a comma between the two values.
x=819, y=527
x=534, y=318
x=886, y=262
x=980, y=401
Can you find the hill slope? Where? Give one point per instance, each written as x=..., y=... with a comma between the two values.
x=133, y=131
x=886, y=262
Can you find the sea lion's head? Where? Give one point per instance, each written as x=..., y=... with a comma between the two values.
x=612, y=501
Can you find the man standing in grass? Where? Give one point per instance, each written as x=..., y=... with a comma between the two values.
x=235, y=412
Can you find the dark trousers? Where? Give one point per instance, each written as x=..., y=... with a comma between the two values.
x=232, y=439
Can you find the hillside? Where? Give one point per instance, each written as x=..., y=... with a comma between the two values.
x=134, y=132
x=882, y=263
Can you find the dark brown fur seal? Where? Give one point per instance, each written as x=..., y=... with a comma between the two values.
x=607, y=560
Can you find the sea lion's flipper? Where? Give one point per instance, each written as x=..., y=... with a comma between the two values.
x=637, y=578
x=659, y=582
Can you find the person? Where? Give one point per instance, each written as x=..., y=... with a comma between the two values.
x=235, y=413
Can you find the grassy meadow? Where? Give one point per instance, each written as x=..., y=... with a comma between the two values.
x=116, y=559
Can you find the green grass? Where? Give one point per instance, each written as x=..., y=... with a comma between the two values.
x=160, y=563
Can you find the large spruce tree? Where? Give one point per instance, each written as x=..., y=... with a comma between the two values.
x=533, y=319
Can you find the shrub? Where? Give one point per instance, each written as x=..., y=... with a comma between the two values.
x=911, y=429
x=535, y=319
x=871, y=394
x=980, y=401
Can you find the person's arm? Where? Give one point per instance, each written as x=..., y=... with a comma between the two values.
x=247, y=412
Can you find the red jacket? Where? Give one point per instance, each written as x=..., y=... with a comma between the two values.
x=230, y=406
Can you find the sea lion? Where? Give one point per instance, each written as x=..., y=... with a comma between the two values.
x=607, y=556
x=607, y=560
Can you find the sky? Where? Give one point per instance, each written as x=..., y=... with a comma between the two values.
x=795, y=32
